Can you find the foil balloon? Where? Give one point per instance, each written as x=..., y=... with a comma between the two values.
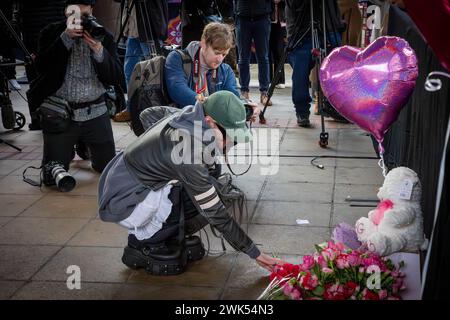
x=370, y=86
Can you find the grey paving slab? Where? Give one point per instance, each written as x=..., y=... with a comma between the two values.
x=306, y=161
x=7, y=288
x=357, y=163
x=30, y=138
x=355, y=141
x=303, y=192
x=365, y=191
x=5, y=220
x=97, y=264
x=371, y=175
x=8, y=166
x=308, y=173
x=101, y=234
x=87, y=183
x=21, y=262
x=347, y=214
x=63, y=205
x=288, y=239
x=287, y=213
x=306, y=148
x=13, y=205
x=251, y=187
x=43, y=231
x=50, y=290
x=172, y=292
x=208, y=272
x=15, y=185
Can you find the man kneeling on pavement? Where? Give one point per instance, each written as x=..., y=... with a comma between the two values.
x=160, y=188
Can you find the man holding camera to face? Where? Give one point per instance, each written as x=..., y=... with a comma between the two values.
x=76, y=61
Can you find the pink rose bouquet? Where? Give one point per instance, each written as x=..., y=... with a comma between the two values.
x=336, y=272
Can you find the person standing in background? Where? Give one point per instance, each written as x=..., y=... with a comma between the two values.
x=148, y=21
x=352, y=16
x=253, y=24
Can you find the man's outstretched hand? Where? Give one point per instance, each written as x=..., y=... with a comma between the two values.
x=268, y=262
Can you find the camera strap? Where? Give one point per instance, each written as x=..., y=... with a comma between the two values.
x=196, y=76
x=249, y=166
x=30, y=181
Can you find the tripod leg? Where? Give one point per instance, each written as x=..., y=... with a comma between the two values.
x=11, y=145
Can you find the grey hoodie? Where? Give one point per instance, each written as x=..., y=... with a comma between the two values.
x=147, y=164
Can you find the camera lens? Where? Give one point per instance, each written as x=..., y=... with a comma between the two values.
x=64, y=181
x=96, y=30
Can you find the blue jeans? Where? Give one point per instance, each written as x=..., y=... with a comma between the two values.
x=301, y=62
x=259, y=31
x=136, y=51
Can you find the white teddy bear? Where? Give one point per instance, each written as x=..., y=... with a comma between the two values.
x=397, y=223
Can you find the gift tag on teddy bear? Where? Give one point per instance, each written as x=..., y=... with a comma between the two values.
x=406, y=189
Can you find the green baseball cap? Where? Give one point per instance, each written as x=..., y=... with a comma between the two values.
x=229, y=112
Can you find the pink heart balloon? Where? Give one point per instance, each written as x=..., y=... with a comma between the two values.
x=370, y=86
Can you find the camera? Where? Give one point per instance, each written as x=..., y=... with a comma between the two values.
x=54, y=173
x=96, y=30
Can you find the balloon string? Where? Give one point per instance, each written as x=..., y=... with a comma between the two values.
x=435, y=84
x=381, y=161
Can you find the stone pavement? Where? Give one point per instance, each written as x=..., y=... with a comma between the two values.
x=43, y=231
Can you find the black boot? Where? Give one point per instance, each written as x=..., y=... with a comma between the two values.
x=193, y=246
x=156, y=259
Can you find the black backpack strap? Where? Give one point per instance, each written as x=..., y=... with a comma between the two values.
x=187, y=61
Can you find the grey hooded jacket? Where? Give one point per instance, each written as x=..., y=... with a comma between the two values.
x=148, y=164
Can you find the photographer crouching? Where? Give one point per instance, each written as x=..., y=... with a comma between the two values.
x=76, y=61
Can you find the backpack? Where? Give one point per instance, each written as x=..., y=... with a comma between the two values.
x=147, y=87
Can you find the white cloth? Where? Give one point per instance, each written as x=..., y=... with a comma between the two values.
x=149, y=215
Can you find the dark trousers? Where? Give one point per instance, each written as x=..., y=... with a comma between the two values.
x=276, y=45
x=194, y=221
x=258, y=31
x=301, y=62
x=96, y=134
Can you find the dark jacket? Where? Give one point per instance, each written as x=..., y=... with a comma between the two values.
x=51, y=63
x=152, y=15
x=148, y=164
x=252, y=8
x=192, y=10
x=298, y=16
x=36, y=15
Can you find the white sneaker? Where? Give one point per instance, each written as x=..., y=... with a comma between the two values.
x=14, y=85
x=280, y=86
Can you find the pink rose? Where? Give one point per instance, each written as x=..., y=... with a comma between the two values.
x=308, y=262
x=288, y=288
x=322, y=262
x=354, y=259
x=327, y=270
x=382, y=294
x=329, y=254
x=295, y=294
x=342, y=262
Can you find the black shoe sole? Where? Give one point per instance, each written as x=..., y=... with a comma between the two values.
x=155, y=264
x=195, y=249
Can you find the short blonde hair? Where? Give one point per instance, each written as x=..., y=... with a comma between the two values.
x=218, y=35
